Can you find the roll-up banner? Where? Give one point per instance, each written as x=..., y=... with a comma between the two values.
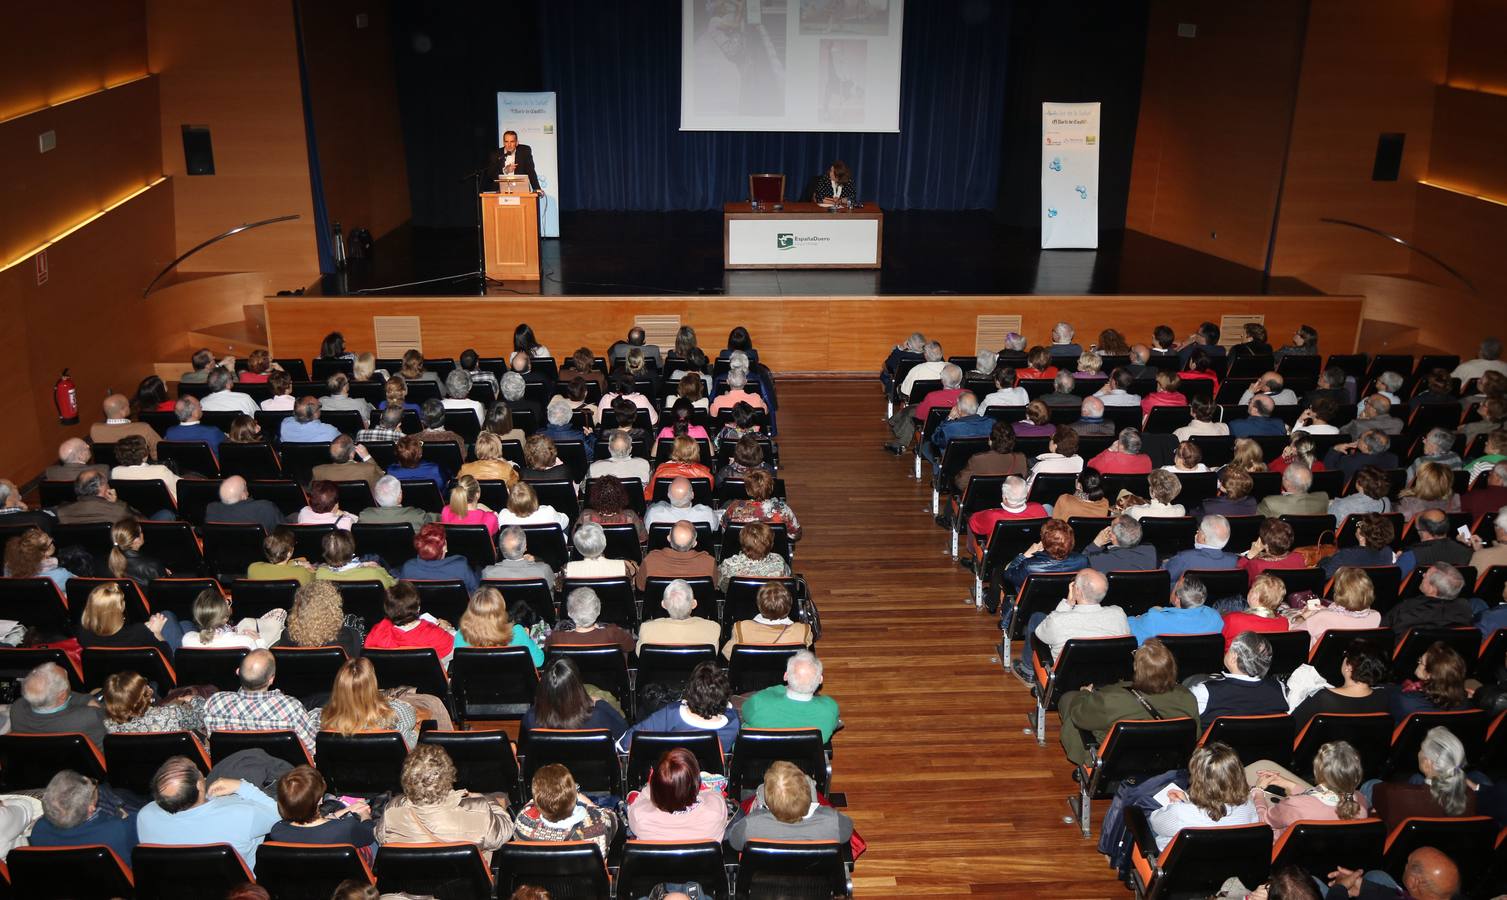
x=532, y=115
x=1069, y=175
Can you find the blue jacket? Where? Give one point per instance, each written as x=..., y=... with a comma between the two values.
x=1253, y=426
x=668, y=719
x=441, y=570
x=567, y=433
x=966, y=427
x=1200, y=558
x=1175, y=620
x=1023, y=565
x=316, y=432
x=104, y=827
x=424, y=471
x=209, y=434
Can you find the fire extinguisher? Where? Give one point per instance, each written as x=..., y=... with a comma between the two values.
x=65, y=398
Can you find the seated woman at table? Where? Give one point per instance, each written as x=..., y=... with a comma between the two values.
x=837, y=188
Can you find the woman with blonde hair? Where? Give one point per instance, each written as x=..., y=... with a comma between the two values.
x=1433, y=488
x=1164, y=488
x=1247, y=456
x=684, y=462
x=318, y=619
x=486, y=623
x=785, y=809
x=1334, y=795
x=1260, y=614
x=489, y=464
x=244, y=430
x=126, y=559
x=365, y=369
x=1217, y=794
x=1353, y=595
x=396, y=392
x=524, y=508
x=356, y=705
x=1090, y=367
x=130, y=708
x=466, y=508
x=216, y=630
x=103, y=624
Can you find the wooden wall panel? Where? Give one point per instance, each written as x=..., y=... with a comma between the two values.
x=1476, y=59
x=1470, y=142
x=355, y=101
x=808, y=334
x=108, y=145
x=1466, y=233
x=53, y=52
x=1369, y=66
x=88, y=317
x=1213, y=124
x=234, y=68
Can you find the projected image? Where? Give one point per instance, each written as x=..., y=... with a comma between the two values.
x=738, y=53
x=840, y=92
x=869, y=17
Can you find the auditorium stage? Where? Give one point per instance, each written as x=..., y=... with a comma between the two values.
x=664, y=254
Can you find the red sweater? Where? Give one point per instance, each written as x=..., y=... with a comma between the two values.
x=387, y=636
x=1113, y=462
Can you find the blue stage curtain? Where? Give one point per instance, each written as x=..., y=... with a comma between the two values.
x=616, y=69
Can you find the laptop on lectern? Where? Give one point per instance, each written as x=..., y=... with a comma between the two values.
x=513, y=184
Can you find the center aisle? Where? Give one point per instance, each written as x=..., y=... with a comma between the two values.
x=940, y=779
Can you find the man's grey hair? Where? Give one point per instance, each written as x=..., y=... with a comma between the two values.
x=1015, y=342
x=590, y=540
x=220, y=379
x=932, y=351
x=1191, y=592
x=512, y=385
x=679, y=599
x=803, y=673
x=7, y=491
x=513, y=542
x=1297, y=478
x=916, y=342
x=1391, y=382
x=74, y=451
x=1092, y=585
x=1130, y=440
x=1063, y=382
x=558, y=412
x=307, y=409
x=1499, y=472
x=1253, y=654
x=186, y=409
x=66, y=802
x=620, y=445
x=45, y=686
x=985, y=362
x=1333, y=377
x=737, y=379
x=968, y=403
x=1140, y=354
x=1091, y=408
x=737, y=361
x=1062, y=333
x=1375, y=441
x=388, y=491
x=392, y=416
x=342, y=449
x=1441, y=439
x=584, y=607
x=1491, y=348
x=1015, y=491
x=1127, y=531
x=1216, y=531
x=1446, y=579
x=457, y=384
x=952, y=376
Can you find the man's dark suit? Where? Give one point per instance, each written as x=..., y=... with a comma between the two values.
x=523, y=164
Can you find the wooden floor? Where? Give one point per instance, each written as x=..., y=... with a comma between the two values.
x=951, y=794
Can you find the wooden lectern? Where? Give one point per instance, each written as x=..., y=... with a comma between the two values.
x=510, y=235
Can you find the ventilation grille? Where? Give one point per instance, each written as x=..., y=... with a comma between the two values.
x=989, y=333
x=659, y=330
x=397, y=335
x=1232, y=328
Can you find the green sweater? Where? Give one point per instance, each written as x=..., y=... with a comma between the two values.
x=771, y=708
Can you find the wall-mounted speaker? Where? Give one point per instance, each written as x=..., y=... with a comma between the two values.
x=198, y=150
x=1388, y=156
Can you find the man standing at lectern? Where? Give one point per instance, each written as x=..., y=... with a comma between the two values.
x=512, y=158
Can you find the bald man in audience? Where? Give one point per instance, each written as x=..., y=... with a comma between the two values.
x=620, y=460
x=680, y=507
x=1429, y=875
x=349, y=461
x=258, y=706
x=1436, y=543
x=74, y=458
x=1081, y=615
x=118, y=424
x=1375, y=413
x=184, y=810
x=236, y=507
x=1273, y=386
x=679, y=560
x=1091, y=419
x=1296, y=498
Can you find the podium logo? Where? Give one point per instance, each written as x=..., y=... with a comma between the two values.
x=784, y=241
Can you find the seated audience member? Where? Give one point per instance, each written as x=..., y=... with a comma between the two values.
x=1166, y=393
x=1061, y=456
x=964, y=421
x=1234, y=497
x=430, y=809
x=762, y=506
x=607, y=504
x=1493, y=412
x=591, y=542
x=563, y=701
x=1263, y=599
x=703, y=706
x=118, y=424
x=620, y=385
x=304, y=425
x=929, y=369
x=48, y=705
x=151, y=396
x=1371, y=448
x=356, y=706
x=364, y=369
x=1446, y=792
x=584, y=608
x=1217, y=794
x=1061, y=394
x=1208, y=549
x=735, y=393
x=1489, y=359
x=1187, y=614
x=413, y=368
x=300, y=795
x=1087, y=499
x=680, y=627
x=433, y=564
x=131, y=707
x=1247, y=456
x=411, y=465
x=785, y=808
x=72, y=816
x=318, y=619
x=1038, y=366
x=516, y=563
x=796, y=703
x=680, y=506
x=203, y=363
x=680, y=559
x=524, y=508
x=1305, y=342
x=1437, y=685
x=257, y=705
x=558, y=426
x=75, y=457
x=15, y=514
x=1000, y=459
x=1438, y=447
x=1118, y=548
x=1124, y=456
x=909, y=420
x=1164, y=489
x=1053, y=553
x=1005, y=392
x=1316, y=419
x=620, y=460
x=1272, y=549
x=405, y=625
x=1091, y=419
x=1300, y=449
x=432, y=415
x=773, y=623
x=489, y=464
x=1434, y=488
x=235, y=507
x=1244, y=688
x=560, y=812
x=1116, y=391
x=1363, y=687
x=126, y=560
x=186, y=811
x=1273, y=386
x=1062, y=341
x=388, y=494
x=386, y=427
x=1013, y=505
x=755, y=558
x=339, y=399
x=1334, y=794
x=486, y=623
x=1488, y=495
x=582, y=364
x=1080, y=615
x=349, y=461
x=1260, y=419
x=189, y=428
x=1297, y=498
x=1351, y=608
x=324, y=507
x=97, y=502
x=1186, y=458
x=223, y=398
x=465, y=506
x=103, y=624
x=33, y=554
x=341, y=564
x=216, y=628
x=1154, y=689
x=1372, y=488
x=1436, y=544
x=457, y=397
x=908, y=351
x=280, y=386
x=131, y=464
x=1375, y=414
x=1198, y=369
x=675, y=805
x=1483, y=557
x=1373, y=536
x=684, y=462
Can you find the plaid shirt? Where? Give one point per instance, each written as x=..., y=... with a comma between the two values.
x=378, y=435
x=259, y=711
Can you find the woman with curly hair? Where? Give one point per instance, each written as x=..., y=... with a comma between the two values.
x=607, y=504
x=1272, y=549
x=131, y=708
x=318, y=619
x=430, y=809
x=1437, y=685
x=32, y=554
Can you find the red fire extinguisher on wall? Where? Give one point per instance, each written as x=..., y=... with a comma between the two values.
x=65, y=398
